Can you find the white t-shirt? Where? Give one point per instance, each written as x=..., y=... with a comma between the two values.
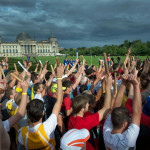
x=38, y=96
x=120, y=141
x=49, y=127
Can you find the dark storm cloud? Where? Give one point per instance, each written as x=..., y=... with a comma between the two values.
x=76, y=23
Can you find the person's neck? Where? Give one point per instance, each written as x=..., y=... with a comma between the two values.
x=37, y=92
x=67, y=92
x=35, y=123
x=81, y=114
x=116, y=131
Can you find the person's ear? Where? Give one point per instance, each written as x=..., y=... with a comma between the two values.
x=125, y=125
x=43, y=113
x=82, y=110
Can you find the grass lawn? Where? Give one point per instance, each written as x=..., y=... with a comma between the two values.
x=51, y=59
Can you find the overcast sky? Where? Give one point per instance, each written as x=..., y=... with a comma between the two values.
x=76, y=23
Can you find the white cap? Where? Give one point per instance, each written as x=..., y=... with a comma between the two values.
x=74, y=139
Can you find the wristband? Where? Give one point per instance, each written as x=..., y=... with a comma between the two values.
x=24, y=93
x=59, y=78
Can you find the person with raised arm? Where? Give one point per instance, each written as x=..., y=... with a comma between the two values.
x=118, y=131
x=40, y=135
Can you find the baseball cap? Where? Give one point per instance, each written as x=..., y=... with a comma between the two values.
x=54, y=88
x=74, y=139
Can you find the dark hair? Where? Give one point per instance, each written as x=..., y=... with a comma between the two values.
x=78, y=103
x=8, y=92
x=35, y=110
x=83, y=87
x=34, y=76
x=119, y=116
x=37, y=86
x=90, y=97
x=67, y=83
x=145, y=81
x=115, y=66
x=47, y=76
x=89, y=71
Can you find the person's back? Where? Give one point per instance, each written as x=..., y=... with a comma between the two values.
x=80, y=105
x=119, y=131
x=121, y=141
x=40, y=135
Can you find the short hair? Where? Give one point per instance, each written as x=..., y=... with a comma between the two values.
x=67, y=83
x=8, y=92
x=18, y=98
x=34, y=76
x=119, y=116
x=35, y=110
x=37, y=86
x=83, y=88
x=78, y=103
x=91, y=98
x=115, y=66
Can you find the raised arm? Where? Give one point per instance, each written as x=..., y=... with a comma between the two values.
x=58, y=103
x=13, y=81
x=74, y=66
x=127, y=57
x=22, y=107
x=137, y=103
x=36, y=67
x=120, y=93
x=107, y=103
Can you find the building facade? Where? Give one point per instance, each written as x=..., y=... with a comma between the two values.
x=24, y=45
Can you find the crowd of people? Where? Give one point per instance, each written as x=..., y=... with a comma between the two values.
x=76, y=106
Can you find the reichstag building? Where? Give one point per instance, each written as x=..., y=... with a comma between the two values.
x=25, y=45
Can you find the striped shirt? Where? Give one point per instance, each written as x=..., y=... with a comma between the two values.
x=119, y=141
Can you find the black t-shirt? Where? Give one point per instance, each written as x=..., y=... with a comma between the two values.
x=49, y=105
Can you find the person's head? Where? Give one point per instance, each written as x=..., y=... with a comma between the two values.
x=54, y=89
x=38, y=87
x=10, y=93
x=120, y=118
x=35, y=77
x=80, y=104
x=74, y=139
x=145, y=81
x=83, y=87
x=68, y=85
x=91, y=99
x=35, y=110
x=93, y=67
x=115, y=66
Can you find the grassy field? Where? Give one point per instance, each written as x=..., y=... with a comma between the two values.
x=51, y=60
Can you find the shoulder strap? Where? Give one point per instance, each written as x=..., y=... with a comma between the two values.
x=24, y=133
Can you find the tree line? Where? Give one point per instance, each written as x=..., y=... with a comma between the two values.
x=137, y=46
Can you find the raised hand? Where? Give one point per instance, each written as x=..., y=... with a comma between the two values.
x=60, y=71
x=24, y=86
x=108, y=81
x=133, y=80
x=124, y=79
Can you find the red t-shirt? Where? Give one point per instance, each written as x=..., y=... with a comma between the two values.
x=66, y=105
x=87, y=122
x=145, y=120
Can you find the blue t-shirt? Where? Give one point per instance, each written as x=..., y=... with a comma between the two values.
x=146, y=108
x=65, y=62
